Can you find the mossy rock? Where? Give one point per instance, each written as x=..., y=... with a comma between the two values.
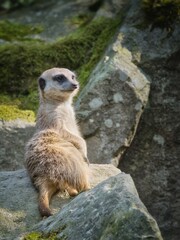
x=10, y=31
x=39, y=236
x=22, y=62
x=8, y=112
x=161, y=13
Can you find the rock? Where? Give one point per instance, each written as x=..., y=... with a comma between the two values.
x=18, y=201
x=153, y=158
x=61, y=18
x=13, y=136
x=110, y=105
x=112, y=210
x=56, y=17
x=113, y=7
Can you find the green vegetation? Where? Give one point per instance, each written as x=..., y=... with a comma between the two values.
x=40, y=236
x=14, y=31
x=80, y=20
x=161, y=13
x=29, y=101
x=8, y=112
x=22, y=62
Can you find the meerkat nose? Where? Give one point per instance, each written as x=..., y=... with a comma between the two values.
x=74, y=85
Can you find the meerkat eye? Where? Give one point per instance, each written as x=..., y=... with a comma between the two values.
x=60, y=78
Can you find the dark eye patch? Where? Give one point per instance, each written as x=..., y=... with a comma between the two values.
x=42, y=83
x=60, y=78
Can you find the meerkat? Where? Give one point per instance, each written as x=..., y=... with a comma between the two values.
x=56, y=155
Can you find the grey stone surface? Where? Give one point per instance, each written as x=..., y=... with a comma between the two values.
x=153, y=158
x=18, y=199
x=112, y=210
x=110, y=105
x=13, y=136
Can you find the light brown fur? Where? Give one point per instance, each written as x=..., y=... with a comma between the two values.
x=56, y=155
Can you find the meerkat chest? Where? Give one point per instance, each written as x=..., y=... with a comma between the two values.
x=67, y=120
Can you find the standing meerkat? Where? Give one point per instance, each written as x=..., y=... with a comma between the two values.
x=56, y=156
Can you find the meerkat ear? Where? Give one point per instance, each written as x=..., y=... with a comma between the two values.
x=42, y=83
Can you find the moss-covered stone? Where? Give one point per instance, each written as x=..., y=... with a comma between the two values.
x=161, y=13
x=40, y=236
x=23, y=62
x=80, y=19
x=10, y=31
x=33, y=236
x=8, y=112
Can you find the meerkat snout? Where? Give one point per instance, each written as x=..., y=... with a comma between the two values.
x=66, y=83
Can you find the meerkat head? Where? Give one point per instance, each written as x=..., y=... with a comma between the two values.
x=58, y=84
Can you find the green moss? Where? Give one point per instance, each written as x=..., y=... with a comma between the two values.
x=22, y=102
x=161, y=13
x=8, y=112
x=40, y=236
x=31, y=101
x=10, y=31
x=80, y=19
x=33, y=236
x=8, y=100
x=21, y=62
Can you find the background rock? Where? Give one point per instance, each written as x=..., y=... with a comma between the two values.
x=59, y=18
x=18, y=201
x=153, y=158
x=53, y=15
x=112, y=210
x=13, y=136
x=110, y=105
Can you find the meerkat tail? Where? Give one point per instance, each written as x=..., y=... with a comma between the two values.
x=44, y=209
x=45, y=195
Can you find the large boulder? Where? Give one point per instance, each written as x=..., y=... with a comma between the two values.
x=112, y=210
x=153, y=158
x=18, y=201
x=13, y=136
x=110, y=105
